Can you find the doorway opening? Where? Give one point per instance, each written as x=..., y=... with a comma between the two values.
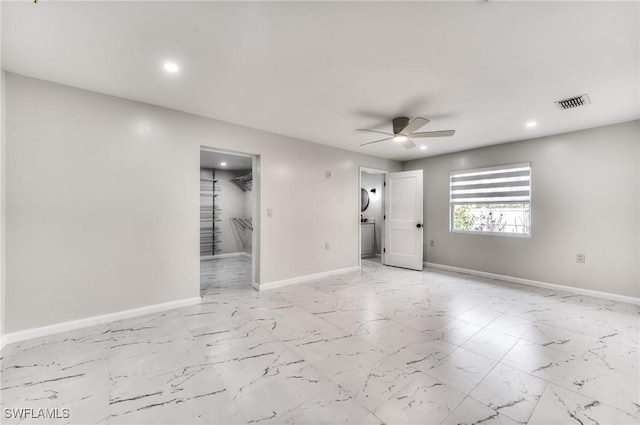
x=371, y=215
x=229, y=255
x=391, y=218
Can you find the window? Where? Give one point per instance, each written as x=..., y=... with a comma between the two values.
x=495, y=200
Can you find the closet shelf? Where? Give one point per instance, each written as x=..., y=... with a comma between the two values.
x=243, y=182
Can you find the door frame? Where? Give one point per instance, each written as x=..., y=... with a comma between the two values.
x=255, y=235
x=382, y=201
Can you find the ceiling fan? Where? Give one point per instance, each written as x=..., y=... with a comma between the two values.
x=403, y=131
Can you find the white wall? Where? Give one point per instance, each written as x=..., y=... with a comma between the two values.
x=249, y=197
x=93, y=181
x=585, y=198
x=248, y=203
x=374, y=210
x=2, y=192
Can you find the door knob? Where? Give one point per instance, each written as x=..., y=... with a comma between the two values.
x=418, y=225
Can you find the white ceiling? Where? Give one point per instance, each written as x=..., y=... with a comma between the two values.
x=319, y=70
x=210, y=159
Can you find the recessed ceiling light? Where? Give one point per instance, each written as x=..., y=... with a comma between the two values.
x=400, y=138
x=531, y=124
x=171, y=67
x=223, y=164
x=423, y=148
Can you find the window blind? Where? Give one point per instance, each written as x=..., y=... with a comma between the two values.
x=502, y=184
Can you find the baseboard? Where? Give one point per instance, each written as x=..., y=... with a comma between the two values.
x=228, y=255
x=305, y=278
x=554, y=286
x=18, y=336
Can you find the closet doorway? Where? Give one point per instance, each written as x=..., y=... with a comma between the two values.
x=372, y=215
x=228, y=233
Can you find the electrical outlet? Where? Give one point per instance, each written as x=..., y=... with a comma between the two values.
x=580, y=258
x=327, y=174
x=432, y=243
x=269, y=212
x=326, y=246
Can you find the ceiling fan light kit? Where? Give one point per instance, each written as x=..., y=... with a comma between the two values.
x=404, y=130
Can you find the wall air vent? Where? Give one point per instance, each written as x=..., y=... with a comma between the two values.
x=573, y=102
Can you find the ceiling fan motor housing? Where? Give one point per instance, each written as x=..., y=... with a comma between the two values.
x=399, y=124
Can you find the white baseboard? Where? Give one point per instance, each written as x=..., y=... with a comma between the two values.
x=305, y=278
x=216, y=256
x=554, y=286
x=18, y=336
x=229, y=255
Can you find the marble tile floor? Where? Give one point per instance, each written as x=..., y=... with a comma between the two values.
x=221, y=273
x=381, y=345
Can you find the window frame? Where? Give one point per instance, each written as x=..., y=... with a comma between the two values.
x=479, y=232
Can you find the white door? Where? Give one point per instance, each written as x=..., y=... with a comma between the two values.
x=403, y=220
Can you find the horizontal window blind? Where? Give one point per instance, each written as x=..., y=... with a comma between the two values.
x=503, y=185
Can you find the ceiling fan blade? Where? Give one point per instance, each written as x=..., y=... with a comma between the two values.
x=443, y=133
x=414, y=125
x=376, y=141
x=408, y=144
x=374, y=131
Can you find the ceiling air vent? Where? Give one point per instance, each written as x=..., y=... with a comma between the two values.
x=574, y=102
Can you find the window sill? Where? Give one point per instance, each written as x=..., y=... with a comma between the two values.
x=503, y=234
